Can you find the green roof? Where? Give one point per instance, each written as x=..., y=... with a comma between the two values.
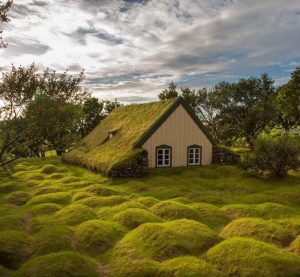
x=128, y=124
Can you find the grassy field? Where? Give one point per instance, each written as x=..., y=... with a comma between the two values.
x=59, y=220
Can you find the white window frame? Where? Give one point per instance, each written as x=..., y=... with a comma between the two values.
x=164, y=154
x=194, y=155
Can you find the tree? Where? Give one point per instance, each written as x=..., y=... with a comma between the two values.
x=287, y=102
x=109, y=106
x=4, y=9
x=92, y=110
x=275, y=155
x=169, y=93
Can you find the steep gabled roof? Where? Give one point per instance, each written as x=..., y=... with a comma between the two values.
x=130, y=127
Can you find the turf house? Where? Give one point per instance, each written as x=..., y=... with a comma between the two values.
x=136, y=137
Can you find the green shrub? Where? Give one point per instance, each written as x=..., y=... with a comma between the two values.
x=62, y=264
x=276, y=155
x=258, y=229
x=132, y=218
x=147, y=201
x=52, y=239
x=98, y=201
x=95, y=236
x=248, y=257
x=102, y=190
x=56, y=197
x=295, y=246
x=187, y=266
x=210, y=215
x=18, y=198
x=44, y=209
x=166, y=240
x=174, y=210
x=75, y=214
x=14, y=248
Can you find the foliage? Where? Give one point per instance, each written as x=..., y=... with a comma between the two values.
x=4, y=9
x=274, y=154
x=169, y=93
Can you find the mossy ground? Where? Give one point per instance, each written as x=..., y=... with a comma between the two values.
x=59, y=220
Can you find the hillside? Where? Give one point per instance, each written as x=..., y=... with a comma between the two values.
x=60, y=220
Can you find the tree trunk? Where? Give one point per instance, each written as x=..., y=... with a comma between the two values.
x=60, y=151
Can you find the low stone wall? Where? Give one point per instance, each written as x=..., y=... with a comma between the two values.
x=222, y=155
x=138, y=168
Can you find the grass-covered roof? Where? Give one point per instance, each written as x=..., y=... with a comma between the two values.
x=127, y=124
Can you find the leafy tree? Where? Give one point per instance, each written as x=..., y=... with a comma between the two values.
x=4, y=9
x=109, y=106
x=92, y=110
x=169, y=93
x=288, y=102
x=275, y=155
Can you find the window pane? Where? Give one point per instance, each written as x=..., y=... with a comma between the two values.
x=160, y=151
x=196, y=161
x=197, y=150
x=159, y=162
x=191, y=161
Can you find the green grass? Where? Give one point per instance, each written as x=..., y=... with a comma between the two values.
x=213, y=220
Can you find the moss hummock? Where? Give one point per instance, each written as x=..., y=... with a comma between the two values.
x=62, y=264
x=56, y=197
x=249, y=257
x=97, y=202
x=295, y=246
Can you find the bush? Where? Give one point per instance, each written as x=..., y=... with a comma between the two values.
x=295, y=246
x=276, y=155
x=258, y=229
x=52, y=239
x=75, y=214
x=187, y=266
x=132, y=218
x=248, y=257
x=63, y=264
x=14, y=249
x=95, y=236
x=162, y=241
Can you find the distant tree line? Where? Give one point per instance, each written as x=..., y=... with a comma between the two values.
x=45, y=111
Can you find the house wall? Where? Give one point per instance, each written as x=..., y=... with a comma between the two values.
x=178, y=131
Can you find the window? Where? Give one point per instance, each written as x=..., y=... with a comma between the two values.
x=163, y=156
x=194, y=155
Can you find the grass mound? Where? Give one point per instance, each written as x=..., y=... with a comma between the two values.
x=48, y=189
x=44, y=209
x=248, y=257
x=258, y=229
x=10, y=222
x=81, y=195
x=187, y=266
x=49, y=169
x=102, y=190
x=147, y=201
x=75, y=214
x=95, y=236
x=291, y=224
x=56, y=197
x=69, y=179
x=211, y=215
x=52, y=239
x=174, y=210
x=63, y=264
x=14, y=249
x=166, y=240
x=132, y=218
x=56, y=176
x=295, y=246
x=98, y=201
x=18, y=198
x=265, y=210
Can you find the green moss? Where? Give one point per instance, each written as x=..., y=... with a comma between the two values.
x=210, y=215
x=18, y=198
x=166, y=240
x=102, y=190
x=4, y=272
x=290, y=224
x=147, y=201
x=56, y=176
x=97, y=201
x=258, y=229
x=44, y=209
x=10, y=222
x=295, y=246
x=52, y=239
x=63, y=264
x=7, y=187
x=75, y=214
x=132, y=218
x=14, y=248
x=69, y=179
x=174, y=210
x=187, y=266
x=56, y=197
x=48, y=189
x=49, y=169
x=93, y=237
x=81, y=195
x=248, y=257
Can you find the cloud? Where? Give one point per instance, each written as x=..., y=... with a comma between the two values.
x=131, y=49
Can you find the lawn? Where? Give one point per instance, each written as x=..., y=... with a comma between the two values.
x=60, y=220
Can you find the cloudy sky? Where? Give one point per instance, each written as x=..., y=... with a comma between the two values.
x=131, y=49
